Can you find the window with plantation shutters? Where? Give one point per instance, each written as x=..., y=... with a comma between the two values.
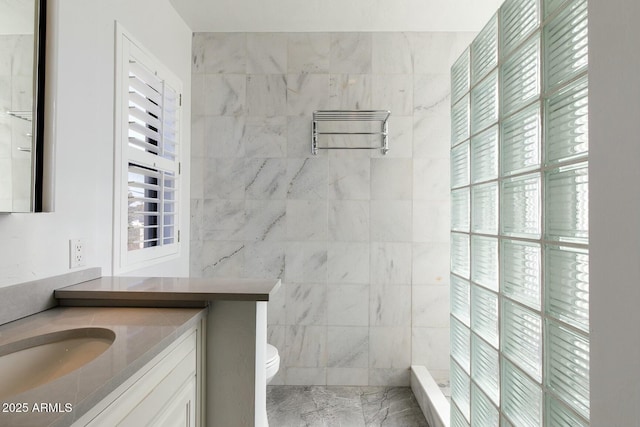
x=148, y=165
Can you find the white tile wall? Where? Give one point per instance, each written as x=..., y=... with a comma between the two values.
x=347, y=305
x=266, y=53
x=360, y=240
x=350, y=53
x=347, y=346
x=224, y=94
x=308, y=53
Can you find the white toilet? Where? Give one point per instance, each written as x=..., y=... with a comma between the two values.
x=273, y=362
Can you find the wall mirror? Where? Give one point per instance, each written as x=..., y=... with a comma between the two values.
x=22, y=46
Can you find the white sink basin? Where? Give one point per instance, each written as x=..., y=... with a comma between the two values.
x=37, y=360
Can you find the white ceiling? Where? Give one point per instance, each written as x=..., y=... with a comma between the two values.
x=16, y=16
x=335, y=15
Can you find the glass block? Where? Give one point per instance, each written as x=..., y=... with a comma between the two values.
x=484, y=314
x=567, y=123
x=460, y=390
x=484, y=261
x=520, y=77
x=461, y=300
x=566, y=44
x=483, y=413
x=521, y=397
x=457, y=419
x=559, y=416
x=520, y=137
x=520, y=207
x=484, y=50
x=484, y=104
x=520, y=272
x=460, y=74
x=460, y=201
x=460, y=344
x=484, y=156
x=518, y=18
x=567, y=204
x=460, y=165
x=460, y=121
x=522, y=338
x=484, y=208
x=505, y=423
x=485, y=366
x=460, y=254
x=567, y=366
x=567, y=285
x=551, y=5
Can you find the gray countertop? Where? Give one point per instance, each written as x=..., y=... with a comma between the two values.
x=146, y=315
x=167, y=292
x=140, y=335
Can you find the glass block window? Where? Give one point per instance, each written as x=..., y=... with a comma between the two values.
x=521, y=265
x=486, y=368
x=460, y=300
x=520, y=77
x=520, y=141
x=520, y=220
x=460, y=345
x=484, y=155
x=484, y=51
x=484, y=263
x=460, y=165
x=460, y=385
x=484, y=104
x=566, y=44
x=518, y=20
x=483, y=413
x=485, y=217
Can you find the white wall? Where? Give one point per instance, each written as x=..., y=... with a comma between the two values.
x=336, y=15
x=16, y=17
x=81, y=81
x=614, y=122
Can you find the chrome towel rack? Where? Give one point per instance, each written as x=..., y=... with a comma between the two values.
x=381, y=116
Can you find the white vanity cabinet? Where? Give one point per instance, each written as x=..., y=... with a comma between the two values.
x=165, y=392
x=233, y=365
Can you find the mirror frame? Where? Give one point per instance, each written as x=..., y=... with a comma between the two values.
x=37, y=156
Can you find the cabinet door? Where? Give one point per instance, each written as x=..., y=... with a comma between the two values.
x=175, y=393
x=164, y=396
x=181, y=411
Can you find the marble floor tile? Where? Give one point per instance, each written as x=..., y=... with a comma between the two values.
x=311, y=406
x=391, y=406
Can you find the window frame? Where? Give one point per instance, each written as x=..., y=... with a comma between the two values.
x=125, y=260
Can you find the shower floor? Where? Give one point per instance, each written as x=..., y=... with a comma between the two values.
x=311, y=406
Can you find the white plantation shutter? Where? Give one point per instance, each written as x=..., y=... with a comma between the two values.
x=149, y=116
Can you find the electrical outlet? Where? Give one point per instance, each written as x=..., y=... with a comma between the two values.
x=76, y=253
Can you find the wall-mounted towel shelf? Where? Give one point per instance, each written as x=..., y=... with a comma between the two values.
x=380, y=116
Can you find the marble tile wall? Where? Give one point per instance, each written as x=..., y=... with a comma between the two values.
x=360, y=240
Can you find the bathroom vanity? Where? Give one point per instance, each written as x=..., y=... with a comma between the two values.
x=193, y=347
x=141, y=340
x=164, y=393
